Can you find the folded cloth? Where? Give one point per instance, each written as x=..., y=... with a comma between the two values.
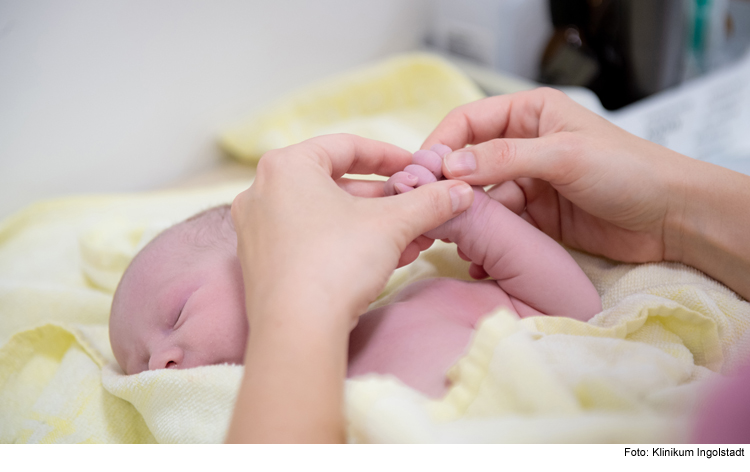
x=631, y=374
x=59, y=264
x=634, y=373
x=399, y=100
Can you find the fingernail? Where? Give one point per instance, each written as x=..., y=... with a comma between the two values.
x=460, y=164
x=461, y=196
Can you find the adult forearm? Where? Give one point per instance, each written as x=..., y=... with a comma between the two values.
x=710, y=230
x=292, y=390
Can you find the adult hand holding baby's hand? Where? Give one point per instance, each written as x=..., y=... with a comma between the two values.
x=593, y=186
x=577, y=177
x=299, y=231
x=313, y=257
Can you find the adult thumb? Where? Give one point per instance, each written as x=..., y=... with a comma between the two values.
x=427, y=207
x=500, y=160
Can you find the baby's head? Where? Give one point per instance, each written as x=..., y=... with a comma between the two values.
x=181, y=301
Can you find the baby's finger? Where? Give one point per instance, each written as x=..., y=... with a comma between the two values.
x=430, y=160
x=510, y=194
x=409, y=254
x=530, y=220
x=402, y=179
x=462, y=255
x=477, y=272
x=424, y=242
x=424, y=175
x=441, y=150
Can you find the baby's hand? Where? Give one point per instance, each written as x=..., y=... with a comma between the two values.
x=426, y=168
x=527, y=264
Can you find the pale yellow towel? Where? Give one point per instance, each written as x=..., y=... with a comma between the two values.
x=399, y=100
x=632, y=374
x=59, y=264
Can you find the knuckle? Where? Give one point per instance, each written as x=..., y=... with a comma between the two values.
x=456, y=112
x=504, y=151
x=268, y=163
x=549, y=93
x=318, y=149
x=570, y=144
x=239, y=207
x=459, y=114
x=235, y=208
x=343, y=136
x=438, y=203
x=570, y=147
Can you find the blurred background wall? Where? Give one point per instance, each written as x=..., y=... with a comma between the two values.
x=124, y=95
x=128, y=95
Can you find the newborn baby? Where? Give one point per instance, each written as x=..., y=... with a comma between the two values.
x=181, y=303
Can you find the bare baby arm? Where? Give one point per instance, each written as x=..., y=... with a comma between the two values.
x=539, y=275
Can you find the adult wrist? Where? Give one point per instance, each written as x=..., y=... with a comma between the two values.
x=709, y=222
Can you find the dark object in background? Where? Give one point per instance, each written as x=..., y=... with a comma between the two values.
x=623, y=50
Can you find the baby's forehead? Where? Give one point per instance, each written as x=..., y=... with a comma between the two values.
x=158, y=260
x=158, y=265
x=168, y=254
x=169, y=246
x=197, y=239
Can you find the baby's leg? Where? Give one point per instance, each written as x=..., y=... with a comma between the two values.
x=536, y=272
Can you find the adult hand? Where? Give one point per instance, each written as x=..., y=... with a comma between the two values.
x=313, y=257
x=296, y=224
x=593, y=186
x=374, y=189
x=580, y=179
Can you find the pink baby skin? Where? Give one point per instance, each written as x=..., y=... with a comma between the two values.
x=180, y=308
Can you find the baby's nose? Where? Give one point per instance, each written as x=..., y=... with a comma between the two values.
x=166, y=359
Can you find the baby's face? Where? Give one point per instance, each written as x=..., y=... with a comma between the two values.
x=179, y=306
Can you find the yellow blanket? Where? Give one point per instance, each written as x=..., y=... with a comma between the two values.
x=632, y=374
x=629, y=375
x=59, y=264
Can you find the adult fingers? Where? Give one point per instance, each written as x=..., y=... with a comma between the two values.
x=426, y=207
x=499, y=160
x=510, y=194
x=526, y=114
x=362, y=188
x=338, y=154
